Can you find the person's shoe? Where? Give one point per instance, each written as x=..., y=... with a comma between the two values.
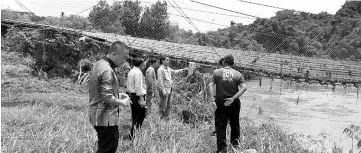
x=214, y=133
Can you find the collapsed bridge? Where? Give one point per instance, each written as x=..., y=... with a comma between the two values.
x=286, y=67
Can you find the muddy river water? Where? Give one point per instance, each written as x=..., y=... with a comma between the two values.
x=318, y=115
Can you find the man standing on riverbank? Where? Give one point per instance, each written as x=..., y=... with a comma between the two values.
x=227, y=81
x=104, y=97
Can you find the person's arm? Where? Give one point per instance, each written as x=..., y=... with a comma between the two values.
x=210, y=87
x=240, y=92
x=139, y=84
x=177, y=71
x=154, y=80
x=160, y=80
x=149, y=79
x=243, y=86
x=210, y=90
x=106, y=90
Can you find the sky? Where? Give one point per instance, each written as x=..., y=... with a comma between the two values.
x=55, y=7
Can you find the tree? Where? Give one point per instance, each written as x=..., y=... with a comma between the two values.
x=8, y=14
x=105, y=18
x=155, y=23
x=37, y=19
x=131, y=16
x=350, y=9
x=77, y=22
x=178, y=35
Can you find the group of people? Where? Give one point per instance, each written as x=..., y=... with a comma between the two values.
x=104, y=95
x=141, y=88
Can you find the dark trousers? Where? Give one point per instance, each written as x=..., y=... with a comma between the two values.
x=222, y=115
x=138, y=113
x=108, y=137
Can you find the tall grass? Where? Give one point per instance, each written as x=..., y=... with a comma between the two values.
x=58, y=122
x=40, y=128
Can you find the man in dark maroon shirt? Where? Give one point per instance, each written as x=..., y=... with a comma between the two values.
x=227, y=81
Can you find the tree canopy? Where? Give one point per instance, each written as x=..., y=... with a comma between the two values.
x=288, y=32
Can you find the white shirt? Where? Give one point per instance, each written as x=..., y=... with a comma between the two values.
x=165, y=78
x=136, y=82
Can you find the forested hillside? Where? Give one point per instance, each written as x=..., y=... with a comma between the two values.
x=324, y=35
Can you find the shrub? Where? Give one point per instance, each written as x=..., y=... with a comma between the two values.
x=53, y=52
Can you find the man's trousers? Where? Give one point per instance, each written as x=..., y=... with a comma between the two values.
x=222, y=115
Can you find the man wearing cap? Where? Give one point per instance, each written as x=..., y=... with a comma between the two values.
x=227, y=81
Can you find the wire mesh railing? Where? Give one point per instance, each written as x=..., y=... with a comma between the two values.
x=320, y=46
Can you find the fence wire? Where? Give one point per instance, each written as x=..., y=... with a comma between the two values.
x=293, y=42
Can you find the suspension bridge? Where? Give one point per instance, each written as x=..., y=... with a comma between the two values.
x=286, y=67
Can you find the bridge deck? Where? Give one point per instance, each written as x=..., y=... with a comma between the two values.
x=262, y=63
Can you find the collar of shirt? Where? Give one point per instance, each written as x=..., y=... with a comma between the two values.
x=164, y=67
x=136, y=68
x=150, y=68
x=112, y=64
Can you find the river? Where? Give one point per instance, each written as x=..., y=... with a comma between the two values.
x=313, y=111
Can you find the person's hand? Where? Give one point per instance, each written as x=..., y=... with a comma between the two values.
x=125, y=102
x=142, y=103
x=123, y=95
x=83, y=39
x=214, y=106
x=212, y=99
x=229, y=101
x=163, y=92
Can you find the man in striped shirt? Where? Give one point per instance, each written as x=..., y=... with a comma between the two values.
x=137, y=89
x=104, y=97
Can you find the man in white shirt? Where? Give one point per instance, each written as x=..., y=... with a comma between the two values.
x=165, y=86
x=150, y=79
x=137, y=89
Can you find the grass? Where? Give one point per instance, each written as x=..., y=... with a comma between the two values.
x=40, y=115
